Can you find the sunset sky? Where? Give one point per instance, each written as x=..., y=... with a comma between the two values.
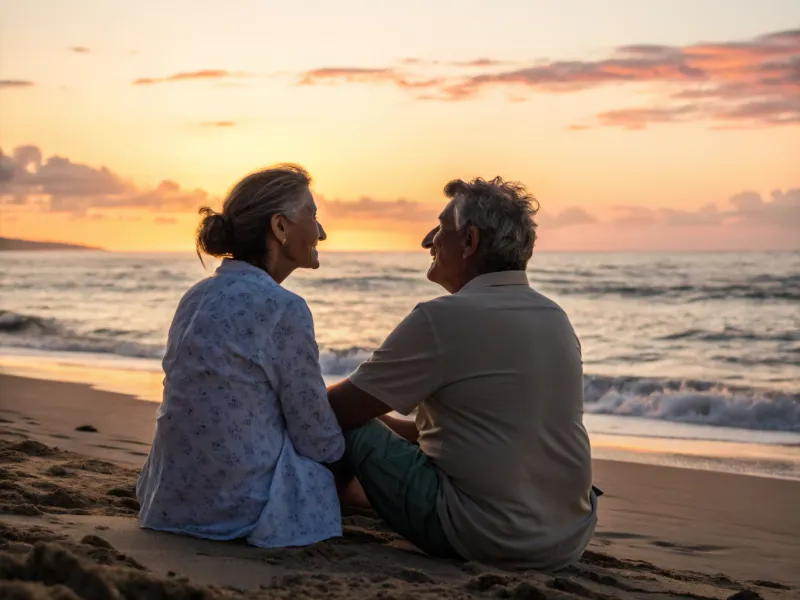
x=639, y=125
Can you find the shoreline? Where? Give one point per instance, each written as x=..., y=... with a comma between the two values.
x=708, y=448
x=675, y=527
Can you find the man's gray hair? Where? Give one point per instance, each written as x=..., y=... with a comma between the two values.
x=503, y=212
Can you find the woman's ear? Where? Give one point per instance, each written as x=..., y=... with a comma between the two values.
x=278, y=225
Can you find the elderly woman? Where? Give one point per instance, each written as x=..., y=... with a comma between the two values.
x=245, y=426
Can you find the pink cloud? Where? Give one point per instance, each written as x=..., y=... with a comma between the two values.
x=749, y=82
x=57, y=184
x=204, y=74
x=369, y=209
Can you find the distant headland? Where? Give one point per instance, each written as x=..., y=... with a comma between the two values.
x=17, y=244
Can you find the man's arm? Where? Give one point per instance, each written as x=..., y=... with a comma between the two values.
x=352, y=406
x=400, y=375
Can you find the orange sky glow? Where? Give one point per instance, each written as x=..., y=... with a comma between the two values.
x=646, y=127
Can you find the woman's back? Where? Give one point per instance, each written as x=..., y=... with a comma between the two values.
x=244, y=423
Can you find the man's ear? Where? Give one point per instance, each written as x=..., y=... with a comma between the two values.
x=471, y=241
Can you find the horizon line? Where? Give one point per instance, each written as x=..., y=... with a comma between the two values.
x=79, y=250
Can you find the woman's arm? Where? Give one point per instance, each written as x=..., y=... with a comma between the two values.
x=311, y=424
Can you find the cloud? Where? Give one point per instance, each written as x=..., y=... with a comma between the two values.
x=41, y=185
x=205, y=74
x=219, y=124
x=80, y=50
x=479, y=62
x=346, y=74
x=780, y=212
x=57, y=184
x=368, y=209
x=474, y=63
x=568, y=217
x=753, y=82
x=15, y=83
x=640, y=118
x=333, y=75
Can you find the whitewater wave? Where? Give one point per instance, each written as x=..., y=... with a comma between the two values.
x=698, y=402
x=342, y=362
x=41, y=333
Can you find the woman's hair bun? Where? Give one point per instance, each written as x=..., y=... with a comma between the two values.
x=214, y=234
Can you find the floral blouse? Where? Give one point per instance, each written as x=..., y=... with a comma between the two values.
x=245, y=423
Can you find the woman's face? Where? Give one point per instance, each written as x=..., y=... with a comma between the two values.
x=302, y=234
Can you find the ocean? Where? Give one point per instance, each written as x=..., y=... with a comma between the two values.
x=689, y=359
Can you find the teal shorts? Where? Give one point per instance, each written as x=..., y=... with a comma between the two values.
x=401, y=484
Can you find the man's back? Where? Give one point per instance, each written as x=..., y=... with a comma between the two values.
x=505, y=424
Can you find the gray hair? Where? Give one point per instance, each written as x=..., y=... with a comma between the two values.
x=503, y=212
x=239, y=230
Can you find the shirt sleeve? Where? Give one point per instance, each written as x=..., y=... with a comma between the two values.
x=405, y=370
x=310, y=421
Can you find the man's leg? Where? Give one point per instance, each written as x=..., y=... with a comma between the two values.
x=400, y=483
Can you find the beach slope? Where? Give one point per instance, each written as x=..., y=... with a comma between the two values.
x=68, y=462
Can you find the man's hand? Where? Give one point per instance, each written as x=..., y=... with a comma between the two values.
x=352, y=406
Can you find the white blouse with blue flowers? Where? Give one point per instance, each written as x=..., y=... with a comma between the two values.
x=245, y=423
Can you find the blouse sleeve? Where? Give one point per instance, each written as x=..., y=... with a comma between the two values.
x=310, y=421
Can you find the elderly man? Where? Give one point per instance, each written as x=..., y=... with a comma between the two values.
x=502, y=469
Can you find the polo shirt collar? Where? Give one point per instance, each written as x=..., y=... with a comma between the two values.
x=498, y=278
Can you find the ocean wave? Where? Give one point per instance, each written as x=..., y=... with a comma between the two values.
x=698, y=402
x=11, y=322
x=684, y=401
x=342, y=362
x=729, y=333
x=759, y=287
x=364, y=283
x=40, y=333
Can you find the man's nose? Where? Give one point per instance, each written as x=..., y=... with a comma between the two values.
x=427, y=241
x=322, y=235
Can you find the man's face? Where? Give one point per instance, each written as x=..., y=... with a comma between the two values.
x=448, y=265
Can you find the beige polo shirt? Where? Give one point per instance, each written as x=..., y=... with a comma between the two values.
x=495, y=372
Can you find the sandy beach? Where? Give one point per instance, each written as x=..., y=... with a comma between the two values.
x=69, y=456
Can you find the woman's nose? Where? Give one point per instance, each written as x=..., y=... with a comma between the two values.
x=322, y=235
